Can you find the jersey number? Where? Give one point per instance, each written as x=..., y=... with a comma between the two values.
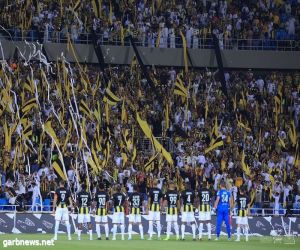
x=84, y=201
x=156, y=197
x=188, y=198
x=136, y=201
x=243, y=203
x=63, y=196
x=224, y=198
x=173, y=200
x=101, y=201
x=120, y=200
x=205, y=197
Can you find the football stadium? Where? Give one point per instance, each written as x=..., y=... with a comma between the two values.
x=149, y=124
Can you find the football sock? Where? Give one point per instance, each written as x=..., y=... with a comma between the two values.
x=141, y=231
x=106, y=230
x=122, y=230
x=56, y=227
x=200, y=230
x=158, y=229
x=182, y=231
x=91, y=234
x=176, y=227
x=129, y=230
x=98, y=230
x=168, y=229
x=115, y=230
x=150, y=228
x=194, y=230
x=238, y=233
x=246, y=232
x=68, y=228
x=208, y=230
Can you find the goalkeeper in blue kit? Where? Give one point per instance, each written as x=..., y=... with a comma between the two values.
x=223, y=204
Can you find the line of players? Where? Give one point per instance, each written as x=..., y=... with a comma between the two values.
x=172, y=202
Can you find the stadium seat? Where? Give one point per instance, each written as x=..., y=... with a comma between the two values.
x=3, y=203
x=46, y=205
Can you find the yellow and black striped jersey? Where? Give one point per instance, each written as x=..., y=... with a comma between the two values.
x=155, y=196
x=119, y=200
x=136, y=201
x=242, y=204
x=204, y=199
x=101, y=198
x=187, y=197
x=62, y=197
x=172, y=197
x=84, y=202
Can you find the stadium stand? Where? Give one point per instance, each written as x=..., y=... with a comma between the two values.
x=84, y=124
x=250, y=139
x=239, y=24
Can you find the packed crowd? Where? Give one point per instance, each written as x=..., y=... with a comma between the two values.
x=155, y=22
x=70, y=122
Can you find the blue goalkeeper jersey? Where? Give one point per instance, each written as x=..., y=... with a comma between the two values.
x=224, y=201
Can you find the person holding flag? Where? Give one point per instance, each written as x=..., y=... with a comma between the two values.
x=223, y=205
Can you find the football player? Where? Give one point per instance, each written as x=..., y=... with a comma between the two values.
x=243, y=204
x=173, y=205
x=154, y=208
x=83, y=204
x=136, y=201
x=187, y=215
x=223, y=204
x=204, y=196
x=119, y=216
x=101, y=199
x=62, y=198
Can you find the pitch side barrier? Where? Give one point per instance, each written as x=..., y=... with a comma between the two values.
x=43, y=222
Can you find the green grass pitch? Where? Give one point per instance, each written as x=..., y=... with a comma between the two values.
x=136, y=244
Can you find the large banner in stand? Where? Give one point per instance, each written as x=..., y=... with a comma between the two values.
x=30, y=223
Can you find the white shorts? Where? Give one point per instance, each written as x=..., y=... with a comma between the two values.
x=171, y=218
x=242, y=220
x=62, y=214
x=187, y=217
x=135, y=218
x=118, y=218
x=84, y=218
x=204, y=216
x=154, y=216
x=101, y=219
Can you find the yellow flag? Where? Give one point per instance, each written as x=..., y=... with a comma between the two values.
x=158, y=39
x=150, y=164
x=122, y=34
x=110, y=13
x=185, y=57
x=7, y=140
x=110, y=97
x=91, y=162
x=245, y=166
x=180, y=89
x=133, y=154
x=125, y=158
x=58, y=170
x=156, y=144
x=123, y=113
x=49, y=130
x=292, y=133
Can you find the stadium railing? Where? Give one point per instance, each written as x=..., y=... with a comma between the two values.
x=203, y=42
